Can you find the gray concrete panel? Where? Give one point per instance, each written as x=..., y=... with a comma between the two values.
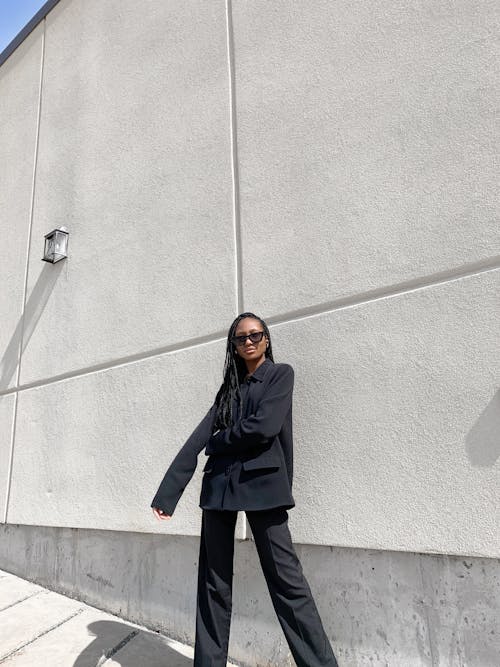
x=6, y=419
x=379, y=608
x=366, y=150
x=464, y=628
x=396, y=420
x=91, y=451
x=135, y=159
x=19, y=93
x=370, y=603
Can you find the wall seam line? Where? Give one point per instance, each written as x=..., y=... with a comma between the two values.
x=277, y=320
x=117, y=363
x=426, y=612
x=380, y=293
x=234, y=159
x=4, y=658
x=238, y=246
x=25, y=284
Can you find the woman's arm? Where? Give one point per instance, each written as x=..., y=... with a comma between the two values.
x=183, y=466
x=264, y=424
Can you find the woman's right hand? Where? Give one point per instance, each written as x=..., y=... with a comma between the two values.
x=160, y=514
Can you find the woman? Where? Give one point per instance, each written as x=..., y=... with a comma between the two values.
x=247, y=435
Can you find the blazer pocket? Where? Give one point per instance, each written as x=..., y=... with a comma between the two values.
x=209, y=466
x=268, y=459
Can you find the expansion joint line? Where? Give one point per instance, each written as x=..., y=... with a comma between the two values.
x=234, y=159
x=5, y=657
x=26, y=273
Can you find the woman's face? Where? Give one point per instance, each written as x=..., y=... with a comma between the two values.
x=249, y=350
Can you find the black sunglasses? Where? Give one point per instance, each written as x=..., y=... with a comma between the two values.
x=255, y=337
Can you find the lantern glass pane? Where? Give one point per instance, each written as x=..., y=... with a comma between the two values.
x=62, y=243
x=50, y=247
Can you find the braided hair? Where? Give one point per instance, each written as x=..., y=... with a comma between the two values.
x=235, y=370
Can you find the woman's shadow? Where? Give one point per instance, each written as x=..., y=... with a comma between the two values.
x=128, y=646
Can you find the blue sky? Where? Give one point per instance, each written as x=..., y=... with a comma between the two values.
x=14, y=15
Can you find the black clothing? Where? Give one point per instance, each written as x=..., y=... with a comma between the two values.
x=250, y=464
x=249, y=467
x=290, y=593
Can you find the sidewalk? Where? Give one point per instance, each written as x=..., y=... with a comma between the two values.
x=40, y=628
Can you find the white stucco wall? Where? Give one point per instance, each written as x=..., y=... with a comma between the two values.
x=332, y=170
x=135, y=159
x=366, y=144
x=19, y=99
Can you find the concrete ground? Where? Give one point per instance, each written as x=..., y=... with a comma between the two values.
x=40, y=628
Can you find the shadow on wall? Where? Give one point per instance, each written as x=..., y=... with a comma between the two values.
x=25, y=327
x=483, y=440
x=128, y=647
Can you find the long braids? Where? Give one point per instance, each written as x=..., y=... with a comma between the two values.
x=234, y=371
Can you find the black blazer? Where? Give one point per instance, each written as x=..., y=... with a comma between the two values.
x=250, y=464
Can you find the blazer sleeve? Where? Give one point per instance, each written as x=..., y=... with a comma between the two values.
x=265, y=423
x=183, y=466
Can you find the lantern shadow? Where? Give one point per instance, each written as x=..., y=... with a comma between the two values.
x=128, y=646
x=33, y=310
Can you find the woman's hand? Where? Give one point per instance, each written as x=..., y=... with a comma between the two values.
x=160, y=514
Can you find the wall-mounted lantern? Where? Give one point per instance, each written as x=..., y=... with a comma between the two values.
x=56, y=245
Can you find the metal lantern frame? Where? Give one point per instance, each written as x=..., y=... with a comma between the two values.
x=56, y=245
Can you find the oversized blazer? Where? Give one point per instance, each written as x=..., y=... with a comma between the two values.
x=250, y=463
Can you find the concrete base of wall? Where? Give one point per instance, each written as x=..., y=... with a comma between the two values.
x=379, y=608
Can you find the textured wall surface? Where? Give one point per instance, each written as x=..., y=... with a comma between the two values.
x=397, y=443
x=356, y=145
x=6, y=418
x=19, y=96
x=99, y=466
x=335, y=171
x=365, y=144
x=135, y=159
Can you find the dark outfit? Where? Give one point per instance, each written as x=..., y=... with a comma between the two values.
x=250, y=468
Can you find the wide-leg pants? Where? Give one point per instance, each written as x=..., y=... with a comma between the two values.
x=289, y=590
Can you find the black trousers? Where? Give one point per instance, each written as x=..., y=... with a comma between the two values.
x=290, y=593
